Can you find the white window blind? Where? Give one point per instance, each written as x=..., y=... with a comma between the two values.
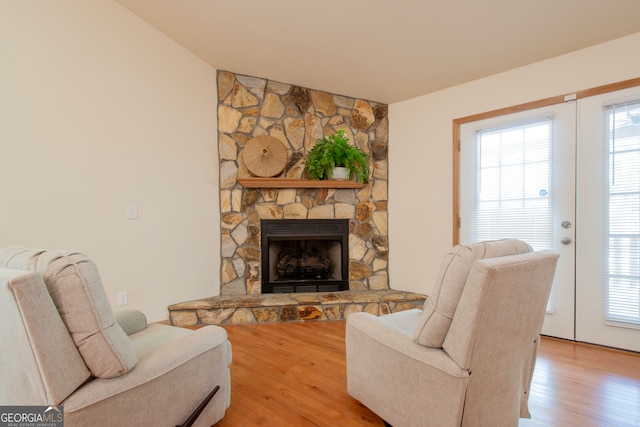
x=622, y=293
x=514, y=185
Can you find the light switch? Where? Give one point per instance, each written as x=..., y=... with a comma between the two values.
x=132, y=211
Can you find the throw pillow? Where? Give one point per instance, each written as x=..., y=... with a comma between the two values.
x=74, y=284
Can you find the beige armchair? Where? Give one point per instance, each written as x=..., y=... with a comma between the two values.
x=468, y=358
x=63, y=345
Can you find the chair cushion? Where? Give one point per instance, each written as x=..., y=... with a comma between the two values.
x=454, y=270
x=74, y=284
x=40, y=363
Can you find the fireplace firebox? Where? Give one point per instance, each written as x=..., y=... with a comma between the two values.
x=305, y=255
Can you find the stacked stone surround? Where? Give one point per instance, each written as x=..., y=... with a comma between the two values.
x=298, y=116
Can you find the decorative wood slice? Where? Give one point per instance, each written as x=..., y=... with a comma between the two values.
x=265, y=156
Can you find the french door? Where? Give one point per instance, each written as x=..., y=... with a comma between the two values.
x=517, y=180
x=566, y=178
x=608, y=206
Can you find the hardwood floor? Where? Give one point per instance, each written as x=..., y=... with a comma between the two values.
x=584, y=385
x=294, y=374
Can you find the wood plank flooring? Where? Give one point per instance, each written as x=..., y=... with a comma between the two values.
x=294, y=374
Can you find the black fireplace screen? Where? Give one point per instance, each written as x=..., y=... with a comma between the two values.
x=302, y=260
x=305, y=255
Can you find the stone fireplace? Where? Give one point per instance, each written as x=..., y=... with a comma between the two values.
x=249, y=107
x=305, y=255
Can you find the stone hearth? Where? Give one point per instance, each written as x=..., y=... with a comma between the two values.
x=268, y=308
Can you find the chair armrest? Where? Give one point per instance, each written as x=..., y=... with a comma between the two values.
x=130, y=320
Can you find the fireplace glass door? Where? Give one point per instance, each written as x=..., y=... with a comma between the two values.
x=304, y=255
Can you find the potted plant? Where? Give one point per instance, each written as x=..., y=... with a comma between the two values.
x=335, y=151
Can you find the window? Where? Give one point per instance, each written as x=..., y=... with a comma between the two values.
x=514, y=183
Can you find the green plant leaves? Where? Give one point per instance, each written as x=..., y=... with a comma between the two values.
x=335, y=150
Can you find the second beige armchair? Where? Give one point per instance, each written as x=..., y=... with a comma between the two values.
x=64, y=346
x=468, y=358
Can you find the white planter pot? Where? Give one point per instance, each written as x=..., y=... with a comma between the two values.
x=340, y=173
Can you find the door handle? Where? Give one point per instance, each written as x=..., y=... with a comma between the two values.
x=566, y=240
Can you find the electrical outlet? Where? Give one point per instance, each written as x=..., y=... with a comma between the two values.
x=123, y=298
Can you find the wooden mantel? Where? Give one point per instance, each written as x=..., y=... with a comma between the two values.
x=297, y=183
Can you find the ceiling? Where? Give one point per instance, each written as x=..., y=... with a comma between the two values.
x=381, y=50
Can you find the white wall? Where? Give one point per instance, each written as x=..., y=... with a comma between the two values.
x=420, y=153
x=97, y=111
